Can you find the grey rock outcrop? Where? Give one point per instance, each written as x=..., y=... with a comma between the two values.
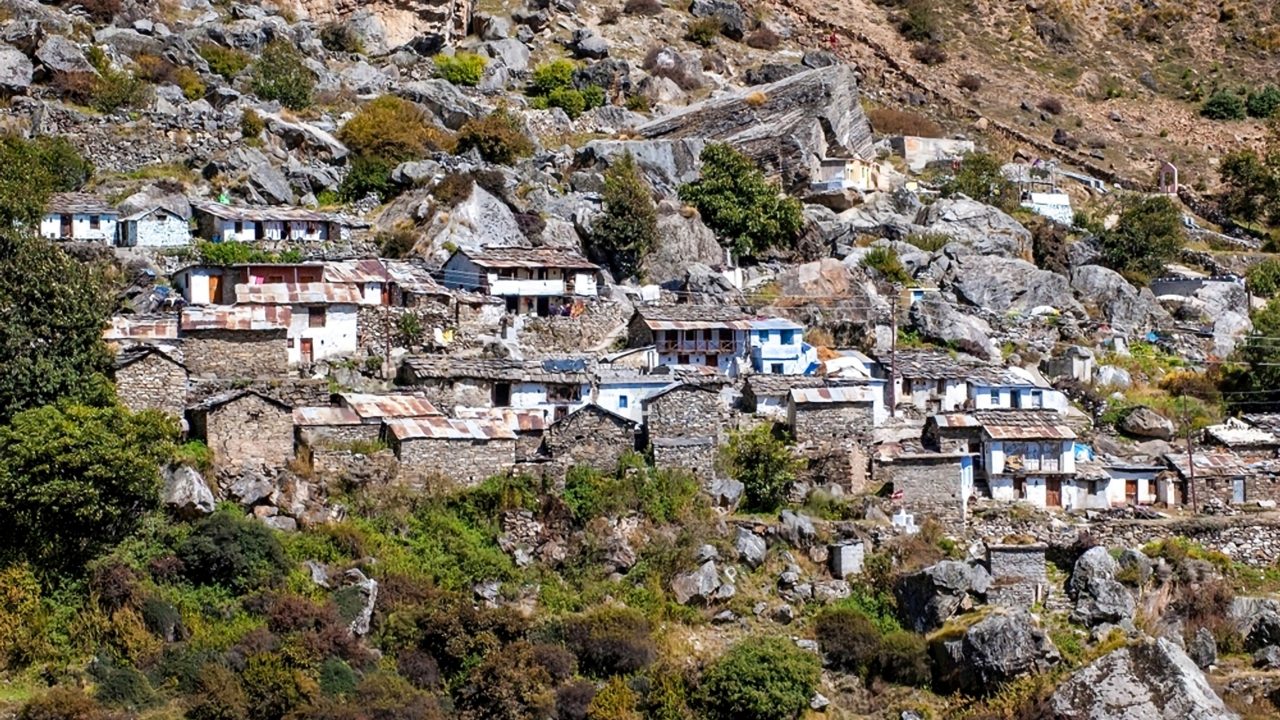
x=1112, y=376
x=682, y=240
x=796, y=529
x=15, y=70
x=587, y=44
x=1257, y=620
x=481, y=220
x=807, y=116
x=1000, y=284
x=1120, y=304
x=733, y=19
x=186, y=493
x=59, y=55
x=940, y=321
x=1099, y=597
x=995, y=650
x=364, y=592
x=930, y=597
x=450, y=106
x=1144, y=422
x=699, y=586
x=666, y=164
x=751, y=548
x=1150, y=680
x=986, y=229
x=1203, y=648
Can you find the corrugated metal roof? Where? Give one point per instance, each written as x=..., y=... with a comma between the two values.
x=1208, y=464
x=142, y=328
x=272, y=214
x=831, y=395
x=371, y=407
x=516, y=257
x=413, y=277
x=956, y=420
x=327, y=415
x=1236, y=433
x=443, y=428
x=316, y=293
x=1024, y=425
x=236, y=317
x=518, y=420
x=356, y=271
x=75, y=202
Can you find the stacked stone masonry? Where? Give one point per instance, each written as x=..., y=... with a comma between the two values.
x=236, y=353
x=248, y=430
x=467, y=463
x=591, y=436
x=153, y=382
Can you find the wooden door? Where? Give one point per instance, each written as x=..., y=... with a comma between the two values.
x=66, y=226
x=215, y=289
x=307, y=350
x=1131, y=491
x=1053, y=492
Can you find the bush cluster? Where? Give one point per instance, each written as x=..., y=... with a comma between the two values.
x=159, y=71
x=384, y=133
x=760, y=679
x=888, y=121
x=884, y=260
x=225, y=61
x=461, y=68
x=280, y=74
x=340, y=37
x=553, y=86
x=703, y=31
x=499, y=137
x=764, y=465
x=744, y=209
x=1225, y=104
x=662, y=496
x=851, y=642
x=1148, y=235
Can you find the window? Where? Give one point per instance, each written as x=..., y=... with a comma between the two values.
x=622, y=401
x=1036, y=400
x=788, y=337
x=94, y=222
x=315, y=317
x=775, y=368
x=995, y=398
x=682, y=359
x=239, y=227
x=563, y=393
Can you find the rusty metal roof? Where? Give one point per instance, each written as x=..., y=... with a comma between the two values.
x=356, y=271
x=236, y=317
x=956, y=420
x=1024, y=425
x=831, y=395
x=517, y=257
x=1208, y=464
x=316, y=293
x=413, y=277
x=142, y=328
x=443, y=428
x=695, y=317
x=519, y=420
x=272, y=214
x=375, y=407
x=327, y=415
x=78, y=203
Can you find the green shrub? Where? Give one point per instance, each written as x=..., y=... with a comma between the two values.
x=760, y=679
x=703, y=31
x=1264, y=278
x=919, y=21
x=638, y=103
x=121, y=686
x=220, y=696
x=251, y=124
x=1263, y=103
x=273, y=688
x=928, y=242
x=394, y=128
x=462, y=68
x=280, y=74
x=628, y=229
x=1148, y=235
x=610, y=641
x=551, y=76
x=225, y=61
x=340, y=37
x=763, y=464
x=337, y=677
x=115, y=89
x=59, y=165
x=508, y=684
x=740, y=205
x=1224, y=105
x=65, y=703
x=230, y=550
x=903, y=658
x=980, y=178
x=569, y=100
x=367, y=176
x=196, y=454
x=884, y=260
x=238, y=253
x=499, y=137
x=848, y=639
x=193, y=87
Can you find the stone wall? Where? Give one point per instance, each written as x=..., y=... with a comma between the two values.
x=153, y=383
x=559, y=336
x=686, y=412
x=343, y=468
x=930, y=487
x=236, y=353
x=249, y=431
x=401, y=20
x=464, y=462
x=378, y=326
x=697, y=455
x=592, y=437
x=294, y=392
x=843, y=424
x=1256, y=487
x=337, y=436
x=1018, y=577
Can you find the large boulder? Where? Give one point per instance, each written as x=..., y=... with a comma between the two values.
x=357, y=600
x=1257, y=620
x=930, y=597
x=666, y=164
x=785, y=126
x=699, y=586
x=986, y=229
x=186, y=493
x=60, y=56
x=445, y=101
x=15, y=70
x=1144, y=422
x=682, y=240
x=1114, y=300
x=1001, y=284
x=733, y=19
x=1100, y=598
x=1150, y=680
x=939, y=321
x=1001, y=647
x=481, y=220
x=751, y=548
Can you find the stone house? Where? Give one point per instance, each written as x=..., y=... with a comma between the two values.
x=531, y=281
x=928, y=381
x=1030, y=455
x=529, y=427
x=324, y=318
x=591, y=435
x=920, y=152
x=1220, y=478
x=1018, y=575
x=930, y=484
x=726, y=338
x=247, y=341
x=149, y=379
x=623, y=390
x=244, y=427
x=556, y=386
x=461, y=450
x=79, y=216
x=767, y=395
x=155, y=227
x=1012, y=389
x=685, y=425
x=226, y=223
x=841, y=415
x=329, y=426
x=1076, y=362
x=851, y=173
x=411, y=285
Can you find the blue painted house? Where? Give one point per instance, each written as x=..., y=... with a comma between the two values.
x=778, y=348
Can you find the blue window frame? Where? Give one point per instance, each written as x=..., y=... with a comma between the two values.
x=622, y=401
x=788, y=337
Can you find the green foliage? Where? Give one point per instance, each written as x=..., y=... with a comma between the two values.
x=499, y=137
x=462, y=68
x=903, y=658
x=979, y=177
x=760, y=679
x=628, y=228
x=337, y=677
x=610, y=641
x=763, y=464
x=1251, y=186
x=703, y=31
x=884, y=260
x=273, y=688
x=114, y=89
x=511, y=684
x=74, y=480
x=660, y=495
x=240, y=253
x=251, y=123
x=219, y=696
x=225, y=61
x=847, y=639
x=919, y=22
x=1148, y=235
x=31, y=170
x=194, y=453
x=122, y=686
x=551, y=76
x=1224, y=105
x=367, y=176
x=394, y=129
x=65, y=703
x=1263, y=103
x=928, y=242
x=1264, y=278
x=1256, y=382
x=740, y=205
x=22, y=632
x=233, y=551
x=279, y=74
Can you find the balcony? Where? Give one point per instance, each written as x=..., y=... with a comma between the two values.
x=703, y=347
x=527, y=288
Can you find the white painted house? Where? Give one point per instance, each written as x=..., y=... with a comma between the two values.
x=228, y=223
x=324, y=317
x=79, y=216
x=721, y=337
x=932, y=381
x=155, y=227
x=1029, y=455
x=622, y=390
x=1014, y=388
x=532, y=281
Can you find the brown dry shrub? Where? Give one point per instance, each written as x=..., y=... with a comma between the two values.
x=972, y=83
x=1051, y=105
x=763, y=38
x=929, y=54
x=642, y=7
x=887, y=121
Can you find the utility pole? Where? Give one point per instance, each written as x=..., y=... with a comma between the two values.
x=893, y=353
x=1191, y=461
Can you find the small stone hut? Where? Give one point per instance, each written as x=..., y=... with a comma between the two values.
x=685, y=424
x=244, y=427
x=591, y=435
x=150, y=379
x=1018, y=576
x=236, y=341
x=466, y=451
x=831, y=416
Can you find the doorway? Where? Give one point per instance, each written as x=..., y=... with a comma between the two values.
x=1238, y=491
x=308, y=352
x=1053, y=492
x=1131, y=491
x=502, y=395
x=66, y=228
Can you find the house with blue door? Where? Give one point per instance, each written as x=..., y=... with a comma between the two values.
x=731, y=340
x=778, y=348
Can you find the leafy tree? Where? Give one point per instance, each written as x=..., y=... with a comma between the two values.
x=31, y=170
x=368, y=175
x=885, y=261
x=461, y=68
x=1251, y=186
x=740, y=205
x=1264, y=278
x=763, y=464
x=1254, y=382
x=75, y=480
x=52, y=311
x=280, y=74
x=979, y=177
x=499, y=137
x=228, y=549
x=760, y=679
x=1263, y=103
x=394, y=129
x=628, y=229
x=1148, y=234
x=1224, y=105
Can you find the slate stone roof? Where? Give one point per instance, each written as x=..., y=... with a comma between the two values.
x=439, y=367
x=936, y=365
x=73, y=203
x=1024, y=425
x=532, y=258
